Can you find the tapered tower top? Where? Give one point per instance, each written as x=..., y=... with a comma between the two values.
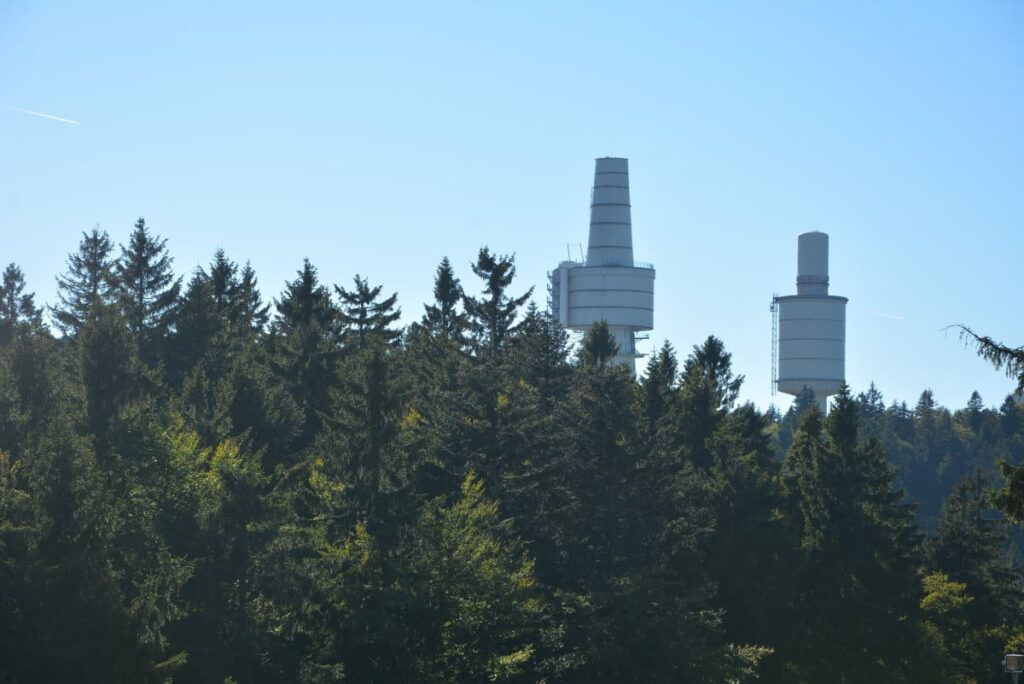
x=611, y=228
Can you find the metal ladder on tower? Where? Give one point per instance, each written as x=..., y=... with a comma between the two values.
x=775, y=341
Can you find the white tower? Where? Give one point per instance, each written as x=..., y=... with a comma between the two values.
x=609, y=285
x=812, y=327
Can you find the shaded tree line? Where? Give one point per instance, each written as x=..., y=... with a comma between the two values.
x=198, y=484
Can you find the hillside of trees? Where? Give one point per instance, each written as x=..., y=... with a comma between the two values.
x=203, y=483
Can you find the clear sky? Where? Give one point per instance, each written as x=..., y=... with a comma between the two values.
x=376, y=138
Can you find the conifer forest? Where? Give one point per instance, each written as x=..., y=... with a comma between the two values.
x=203, y=479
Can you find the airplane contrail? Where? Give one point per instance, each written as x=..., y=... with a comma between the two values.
x=45, y=115
x=892, y=317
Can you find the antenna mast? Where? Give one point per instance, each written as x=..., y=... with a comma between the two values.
x=775, y=340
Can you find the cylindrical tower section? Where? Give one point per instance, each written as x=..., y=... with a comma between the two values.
x=812, y=264
x=611, y=229
x=812, y=344
x=812, y=327
x=621, y=296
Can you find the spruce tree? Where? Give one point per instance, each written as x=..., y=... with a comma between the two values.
x=18, y=310
x=89, y=280
x=658, y=386
x=443, y=318
x=970, y=546
x=249, y=314
x=306, y=346
x=857, y=588
x=362, y=316
x=492, y=316
x=707, y=392
x=599, y=346
x=148, y=289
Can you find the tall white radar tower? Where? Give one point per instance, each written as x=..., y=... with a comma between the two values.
x=812, y=327
x=608, y=286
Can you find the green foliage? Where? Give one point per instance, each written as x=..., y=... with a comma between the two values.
x=492, y=316
x=599, y=346
x=148, y=290
x=89, y=281
x=363, y=317
x=18, y=311
x=191, y=491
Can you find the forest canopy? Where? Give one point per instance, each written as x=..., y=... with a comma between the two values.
x=201, y=484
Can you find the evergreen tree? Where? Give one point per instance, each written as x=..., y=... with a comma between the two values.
x=367, y=411
x=794, y=414
x=17, y=307
x=857, y=586
x=110, y=371
x=89, y=280
x=305, y=347
x=492, y=316
x=707, y=392
x=871, y=407
x=442, y=318
x=250, y=314
x=970, y=546
x=599, y=346
x=363, y=317
x=659, y=386
x=148, y=289
x=487, y=617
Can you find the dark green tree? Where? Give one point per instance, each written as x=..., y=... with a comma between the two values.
x=306, y=347
x=658, y=386
x=707, y=392
x=363, y=317
x=443, y=317
x=970, y=546
x=599, y=347
x=148, y=290
x=17, y=307
x=89, y=280
x=492, y=317
x=857, y=587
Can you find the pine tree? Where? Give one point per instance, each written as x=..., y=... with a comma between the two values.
x=707, y=392
x=437, y=342
x=110, y=368
x=443, y=318
x=599, y=346
x=148, y=290
x=857, y=586
x=17, y=307
x=492, y=316
x=362, y=316
x=306, y=346
x=659, y=387
x=539, y=356
x=871, y=406
x=89, y=280
x=970, y=546
x=199, y=320
x=365, y=425
x=794, y=414
x=250, y=315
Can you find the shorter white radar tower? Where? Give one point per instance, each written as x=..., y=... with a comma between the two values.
x=608, y=286
x=811, y=327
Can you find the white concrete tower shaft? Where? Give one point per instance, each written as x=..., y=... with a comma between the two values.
x=812, y=327
x=611, y=225
x=608, y=285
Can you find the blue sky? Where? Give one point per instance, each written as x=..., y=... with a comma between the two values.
x=376, y=138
